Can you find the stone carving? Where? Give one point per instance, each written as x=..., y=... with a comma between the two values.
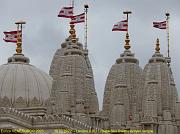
x=133, y=99
x=6, y=102
x=35, y=102
x=75, y=79
x=20, y=102
x=123, y=84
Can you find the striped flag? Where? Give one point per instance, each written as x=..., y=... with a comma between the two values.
x=66, y=12
x=160, y=25
x=121, y=26
x=11, y=36
x=78, y=19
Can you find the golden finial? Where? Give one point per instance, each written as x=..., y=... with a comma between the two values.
x=72, y=31
x=157, y=46
x=127, y=45
x=19, y=36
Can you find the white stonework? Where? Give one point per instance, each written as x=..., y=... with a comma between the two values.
x=134, y=98
x=160, y=96
x=73, y=89
x=23, y=86
x=122, y=96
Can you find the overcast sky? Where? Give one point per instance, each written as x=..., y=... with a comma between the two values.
x=44, y=31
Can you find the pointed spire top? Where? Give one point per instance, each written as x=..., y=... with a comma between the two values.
x=19, y=36
x=72, y=3
x=157, y=46
x=72, y=32
x=127, y=40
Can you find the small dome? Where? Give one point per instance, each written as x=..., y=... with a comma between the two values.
x=23, y=85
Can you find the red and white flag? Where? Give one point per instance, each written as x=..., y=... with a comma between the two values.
x=78, y=19
x=66, y=12
x=160, y=25
x=11, y=36
x=121, y=26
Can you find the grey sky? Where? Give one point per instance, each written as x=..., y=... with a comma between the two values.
x=45, y=31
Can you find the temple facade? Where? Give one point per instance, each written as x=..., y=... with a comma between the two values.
x=65, y=101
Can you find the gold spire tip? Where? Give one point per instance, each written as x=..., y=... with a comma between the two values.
x=72, y=32
x=19, y=36
x=127, y=40
x=157, y=46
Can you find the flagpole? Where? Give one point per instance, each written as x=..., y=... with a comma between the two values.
x=19, y=36
x=127, y=13
x=71, y=3
x=168, y=38
x=86, y=26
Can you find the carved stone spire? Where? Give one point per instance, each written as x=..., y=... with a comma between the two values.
x=73, y=88
x=159, y=92
x=124, y=83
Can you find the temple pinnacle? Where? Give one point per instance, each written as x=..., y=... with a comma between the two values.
x=127, y=45
x=19, y=36
x=72, y=32
x=157, y=46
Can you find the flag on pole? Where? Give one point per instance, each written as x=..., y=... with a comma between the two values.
x=11, y=36
x=121, y=26
x=160, y=25
x=66, y=12
x=78, y=19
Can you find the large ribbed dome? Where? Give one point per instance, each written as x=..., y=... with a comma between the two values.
x=23, y=85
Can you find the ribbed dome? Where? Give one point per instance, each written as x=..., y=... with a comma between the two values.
x=23, y=85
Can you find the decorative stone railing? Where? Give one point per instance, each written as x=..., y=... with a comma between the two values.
x=34, y=122
x=62, y=119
